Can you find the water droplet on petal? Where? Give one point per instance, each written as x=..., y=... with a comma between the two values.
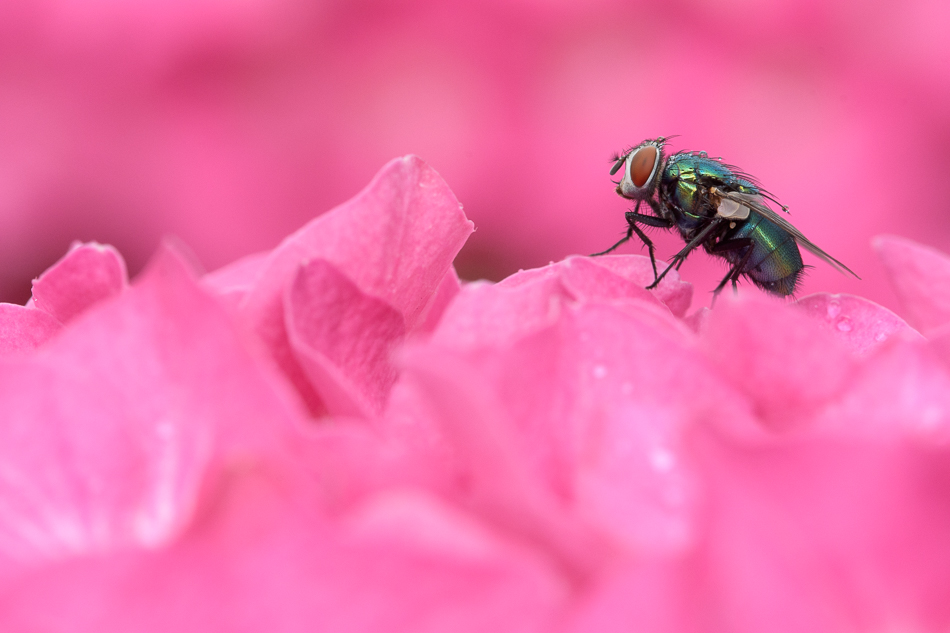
x=834, y=309
x=844, y=324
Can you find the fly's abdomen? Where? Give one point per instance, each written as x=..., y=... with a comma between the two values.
x=775, y=264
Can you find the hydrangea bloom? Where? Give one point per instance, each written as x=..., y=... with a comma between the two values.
x=230, y=123
x=338, y=435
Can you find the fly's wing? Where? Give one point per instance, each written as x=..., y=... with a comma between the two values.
x=755, y=203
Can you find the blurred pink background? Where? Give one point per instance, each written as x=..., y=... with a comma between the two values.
x=230, y=124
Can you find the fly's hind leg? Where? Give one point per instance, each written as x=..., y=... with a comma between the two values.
x=737, y=268
x=678, y=259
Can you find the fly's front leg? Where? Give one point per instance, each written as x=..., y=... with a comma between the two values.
x=633, y=218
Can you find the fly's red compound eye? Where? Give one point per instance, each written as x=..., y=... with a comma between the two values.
x=641, y=165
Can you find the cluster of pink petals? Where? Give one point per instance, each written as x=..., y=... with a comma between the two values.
x=339, y=436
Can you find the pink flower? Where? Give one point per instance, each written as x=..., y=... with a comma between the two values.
x=337, y=435
x=230, y=124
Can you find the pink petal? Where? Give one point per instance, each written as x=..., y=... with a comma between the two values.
x=342, y=338
x=498, y=481
x=697, y=321
x=235, y=280
x=485, y=314
x=87, y=274
x=827, y=533
x=352, y=461
x=901, y=390
x=110, y=429
x=820, y=533
x=24, y=329
x=569, y=434
x=921, y=277
x=672, y=290
x=860, y=324
x=448, y=289
x=785, y=363
x=585, y=278
x=395, y=240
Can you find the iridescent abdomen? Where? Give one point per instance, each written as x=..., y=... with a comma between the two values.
x=776, y=263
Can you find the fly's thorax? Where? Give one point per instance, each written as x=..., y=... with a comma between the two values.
x=642, y=167
x=728, y=208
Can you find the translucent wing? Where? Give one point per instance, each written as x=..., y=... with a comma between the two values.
x=755, y=203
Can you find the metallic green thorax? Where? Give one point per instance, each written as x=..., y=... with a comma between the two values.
x=775, y=264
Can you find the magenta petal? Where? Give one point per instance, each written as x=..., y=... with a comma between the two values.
x=88, y=273
x=859, y=323
x=109, y=429
x=342, y=338
x=395, y=240
x=785, y=363
x=921, y=278
x=24, y=329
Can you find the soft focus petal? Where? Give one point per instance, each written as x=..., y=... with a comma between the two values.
x=827, y=533
x=87, y=274
x=860, y=324
x=109, y=430
x=24, y=329
x=230, y=283
x=786, y=364
x=256, y=561
x=902, y=390
x=921, y=277
x=395, y=240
